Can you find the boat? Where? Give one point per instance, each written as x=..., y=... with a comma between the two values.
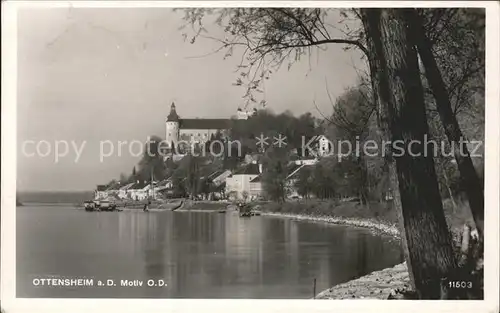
x=245, y=210
x=89, y=205
x=178, y=206
x=246, y=214
x=99, y=205
x=106, y=205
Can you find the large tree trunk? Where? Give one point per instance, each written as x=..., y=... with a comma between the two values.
x=469, y=178
x=370, y=19
x=428, y=249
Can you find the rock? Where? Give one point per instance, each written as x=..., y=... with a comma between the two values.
x=376, y=285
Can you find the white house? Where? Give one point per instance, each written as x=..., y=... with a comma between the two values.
x=165, y=184
x=137, y=191
x=323, y=146
x=256, y=188
x=151, y=188
x=122, y=192
x=238, y=184
x=100, y=192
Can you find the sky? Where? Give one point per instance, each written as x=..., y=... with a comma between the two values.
x=89, y=78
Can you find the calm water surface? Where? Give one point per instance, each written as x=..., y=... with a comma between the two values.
x=197, y=254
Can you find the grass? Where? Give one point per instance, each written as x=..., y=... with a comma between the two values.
x=206, y=205
x=381, y=212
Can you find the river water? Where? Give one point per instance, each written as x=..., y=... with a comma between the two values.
x=188, y=254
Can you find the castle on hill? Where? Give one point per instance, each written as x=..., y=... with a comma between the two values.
x=198, y=130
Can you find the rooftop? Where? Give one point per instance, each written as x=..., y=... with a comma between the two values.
x=172, y=117
x=257, y=179
x=140, y=185
x=127, y=186
x=203, y=123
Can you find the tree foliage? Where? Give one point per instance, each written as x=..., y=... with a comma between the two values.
x=275, y=164
x=267, y=38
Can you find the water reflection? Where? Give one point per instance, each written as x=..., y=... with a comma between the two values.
x=199, y=255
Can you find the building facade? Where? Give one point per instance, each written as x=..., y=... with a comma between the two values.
x=196, y=130
x=238, y=184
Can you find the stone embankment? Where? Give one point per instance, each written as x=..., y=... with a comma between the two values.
x=377, y=285
x=376, y=226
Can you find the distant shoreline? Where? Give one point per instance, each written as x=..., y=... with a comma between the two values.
x=47, y=204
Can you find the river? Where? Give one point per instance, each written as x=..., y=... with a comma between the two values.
x=192, y=254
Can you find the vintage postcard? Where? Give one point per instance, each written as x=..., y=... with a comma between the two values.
x=180, y=156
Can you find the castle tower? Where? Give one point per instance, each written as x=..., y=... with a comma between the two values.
x=172, y=127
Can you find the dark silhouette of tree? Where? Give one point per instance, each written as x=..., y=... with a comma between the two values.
x=469, y=176
x=304, y=182
x=275, y=165
x=397, y=79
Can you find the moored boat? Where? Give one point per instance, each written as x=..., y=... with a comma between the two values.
x=89, y=205
x=106, y=205
x=246, y=214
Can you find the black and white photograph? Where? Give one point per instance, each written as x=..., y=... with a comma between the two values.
x=264, y=150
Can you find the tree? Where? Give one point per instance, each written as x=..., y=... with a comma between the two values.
x=123, y=179
x=470, y=179
x=244, y=195
x=275, y=164
x=133, y=177
x=268, y=37
x=304, y=182
x=323, y=182
x=429, y=256
x=205, y=187
x=179, y=189
x=351, y=118
x=192, y=176
x=151, y=163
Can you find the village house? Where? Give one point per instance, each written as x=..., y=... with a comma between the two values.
x=122, y=191
x=150, y=188
x=256, y=188
x=137, y=191
x=238, y=184
x=322, y=146
x=164, y=185
x=100, y=192
x=112, y=190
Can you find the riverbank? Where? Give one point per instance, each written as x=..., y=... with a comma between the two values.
x=203, y=206
x=376, y=285
x=374, y=225
x=375, y=217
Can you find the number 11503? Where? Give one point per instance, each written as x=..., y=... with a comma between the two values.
x=460, y=284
